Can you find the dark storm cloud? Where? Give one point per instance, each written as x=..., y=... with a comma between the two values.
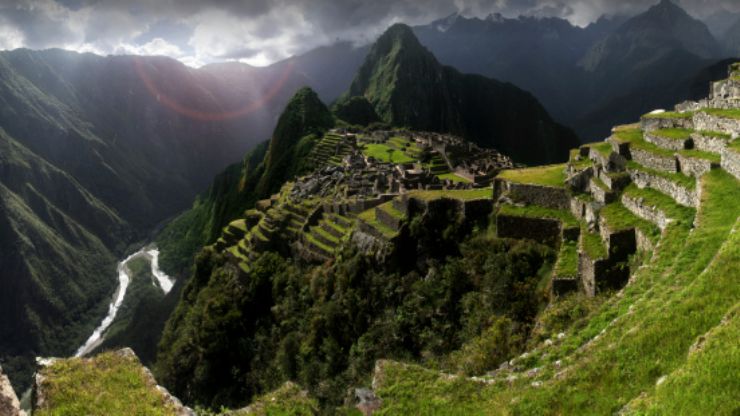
x=261, y=31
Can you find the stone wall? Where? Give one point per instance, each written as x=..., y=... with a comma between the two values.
x=619, y=243
x=682, y=195
x=667, y=143
x=643, y=242
x=726, y=89
x=709, y=143
x=615, y=182
x=649, y=213
x=731, y=162
x=585, y=210
x=598, y=275
x=578, y=180
x=692, y=166
x=9, y=405
x=655, y=161
x=541, y=230
x=604, y=196
x=544, y=196
x=707, y=122
x=387, y=219
x=655, y=123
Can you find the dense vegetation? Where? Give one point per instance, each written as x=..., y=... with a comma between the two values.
x=234, y=336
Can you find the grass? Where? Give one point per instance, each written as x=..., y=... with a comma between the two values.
x=454, y=178
x=535, y=211
x=675, y=134
x=700, y=154
x=463, y=195
x=592, y=244
x=240, y=225
x=386, y=154
x=369, y=217
x=567, y=264
x=716, y=134
x=551, y=175
x=619, y=218
x=319, y=244
x=724, y=113
x=645, y=334
x=627, y=133
x=604, y=148
x=390, y=209
x=109, y=384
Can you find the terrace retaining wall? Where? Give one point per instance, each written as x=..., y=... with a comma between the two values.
x=542, y=230
x=731, y=162
x=707, y=122
x=682, y=195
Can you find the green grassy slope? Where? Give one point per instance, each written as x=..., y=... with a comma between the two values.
x=662, y=325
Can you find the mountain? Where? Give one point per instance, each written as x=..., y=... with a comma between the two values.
x=536, y=54
x=643, y=64
x=528, y=285
x=731, y=39
x=649, y=36
x=587, y=78
x=261, y=173
x=407, y=86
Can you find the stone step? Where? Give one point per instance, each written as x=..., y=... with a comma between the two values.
x=601, y=192
x=718, y=120
x=655, y=207
x=670, y=139
x=319, y=234
x=342, y=220
x=332, y=228
x=680, y=188
x=667, y=120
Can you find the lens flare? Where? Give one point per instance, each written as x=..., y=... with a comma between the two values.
x=200, y=115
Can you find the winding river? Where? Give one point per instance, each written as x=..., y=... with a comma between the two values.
x=163, y=281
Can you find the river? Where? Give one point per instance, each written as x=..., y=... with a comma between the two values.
x=163, y=281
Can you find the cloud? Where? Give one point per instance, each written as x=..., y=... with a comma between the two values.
x=263, y=31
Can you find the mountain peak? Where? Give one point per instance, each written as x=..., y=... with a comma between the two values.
x=398, y=34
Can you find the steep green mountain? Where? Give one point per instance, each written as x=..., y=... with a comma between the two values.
x=96, y=152
x=261, y=173
x=408, y=87
x=58, y=248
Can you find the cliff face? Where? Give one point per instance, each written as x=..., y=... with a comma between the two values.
x=407, y=87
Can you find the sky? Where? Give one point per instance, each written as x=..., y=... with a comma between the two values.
x=260, y=32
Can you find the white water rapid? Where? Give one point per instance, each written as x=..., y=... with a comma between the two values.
x=165, y=283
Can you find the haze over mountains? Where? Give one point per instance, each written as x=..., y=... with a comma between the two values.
x=96, y=152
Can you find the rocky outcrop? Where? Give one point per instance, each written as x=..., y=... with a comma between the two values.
x=9, y=404
x=41, y=399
